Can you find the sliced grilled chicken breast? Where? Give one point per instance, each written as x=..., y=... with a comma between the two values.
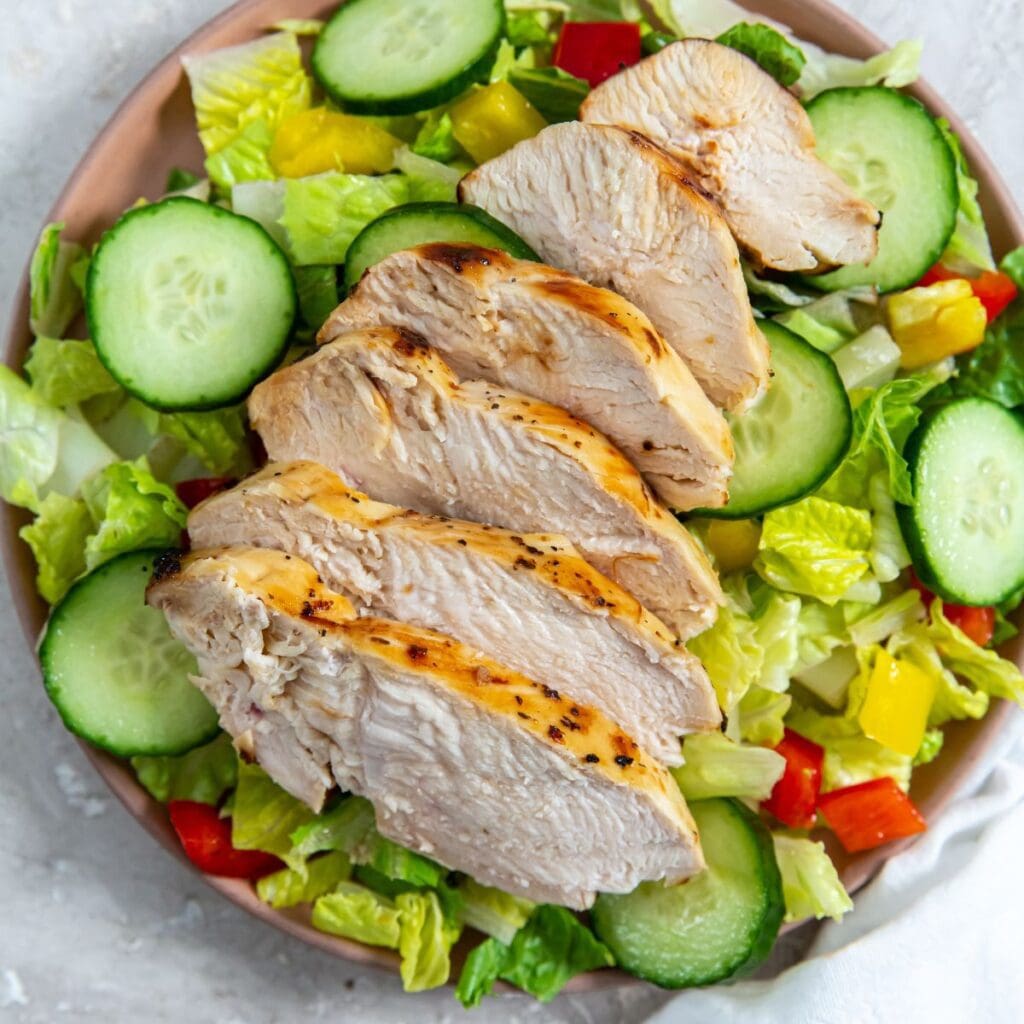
x=549, y=334
x=383, y=410
x=466, y=761
x=750, y=144
x=529, y=601
x=609, y=205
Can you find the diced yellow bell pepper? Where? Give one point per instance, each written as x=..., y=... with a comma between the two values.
x=943, y=319
x=896, y=705
x=493, y=119
x=318, y=140
x=733, y=542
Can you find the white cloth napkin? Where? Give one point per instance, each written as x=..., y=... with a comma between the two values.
x=937, y=937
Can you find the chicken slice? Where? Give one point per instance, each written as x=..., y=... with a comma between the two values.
x=611, y=206
x=464, y=760
x=529, y=601
x=549, y=334
x=750, y=144
x=384, y=411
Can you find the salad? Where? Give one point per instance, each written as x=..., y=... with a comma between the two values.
x=870, y=549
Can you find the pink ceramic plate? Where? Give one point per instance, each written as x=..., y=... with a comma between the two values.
x=154, y=130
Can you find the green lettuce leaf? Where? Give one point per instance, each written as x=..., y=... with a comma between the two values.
x=881, y=622
x=821, y=629
x=776, y=632
x=730, y=653
x=317, y=288
x=67, y=373
x=244, y=158
x=203, y=775
x=555, y=93
x=493, y=912
x=299, y=26
x=355, y=912
x=425, y=940
x=551, y=949
x=931, y=747
x=428, y=180
x=716, y=766
x=830, y=680
x=815, y=547
x=888, y=554
x=481, y=970
x=259, y=81
x=773, y=51
x=537, y=28
x=435, y=139
x=990, y=673
x=41, y=448
x=810, y=883
x=217, y=437
x=57, y=537
x=264, y=816
x=349, y=827
x=323, y=213
x=869, y=361
x=995, y=369
x=850, y=757
x=54, y=299
x=132, y=510
x=969, y=250
x=760, y=716
x=288, y=888
x=1013, y=266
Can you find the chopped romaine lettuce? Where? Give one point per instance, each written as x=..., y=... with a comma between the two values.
x=815, y=547
x=810, y=883
x=41, y=448
x=1013, y=266
x=880, y=623
x=425, y=939
x=716, y=766
x=429, y=180
x=895, y=68
x=215, y=437
x=323, y=213
x=850, y=757
x=259, y=81
x=888, y=554
x=178, y=180
x=54, y=299
x=493, y=912
x=203, y=775
x=759, y=716
x=730, y=653
x=355, y=912
x=969, y=250
x=776, y=634
x=435, y=139
x=772, y=50
x=341, y=828
x=287, y=887
x=132, y=510
x=830, y=679
x=57, y=537
x=995, y=369
x=552, y=948
x=869, y=361
x=67, y=373
x=263, y=202
x=264, y=816
x=244, y=158
x=299, y=26
x=931, y=747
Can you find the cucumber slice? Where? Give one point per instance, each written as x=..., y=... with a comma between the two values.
x=891, y=151
x=403, y=56
x=115, y=673
x=189, y=305
x=965, y=530
x=793, y=439
x=719, y=924
x=420, y=223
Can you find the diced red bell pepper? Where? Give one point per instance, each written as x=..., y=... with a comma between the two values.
x=192, y=492
x=996, y=292
x=978, y=623
x=596, y=50
x=870, y=814
x=995, y=289
x=795, y=796
x=206, y=839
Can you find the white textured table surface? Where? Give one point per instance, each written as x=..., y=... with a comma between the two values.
x=96, y=923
